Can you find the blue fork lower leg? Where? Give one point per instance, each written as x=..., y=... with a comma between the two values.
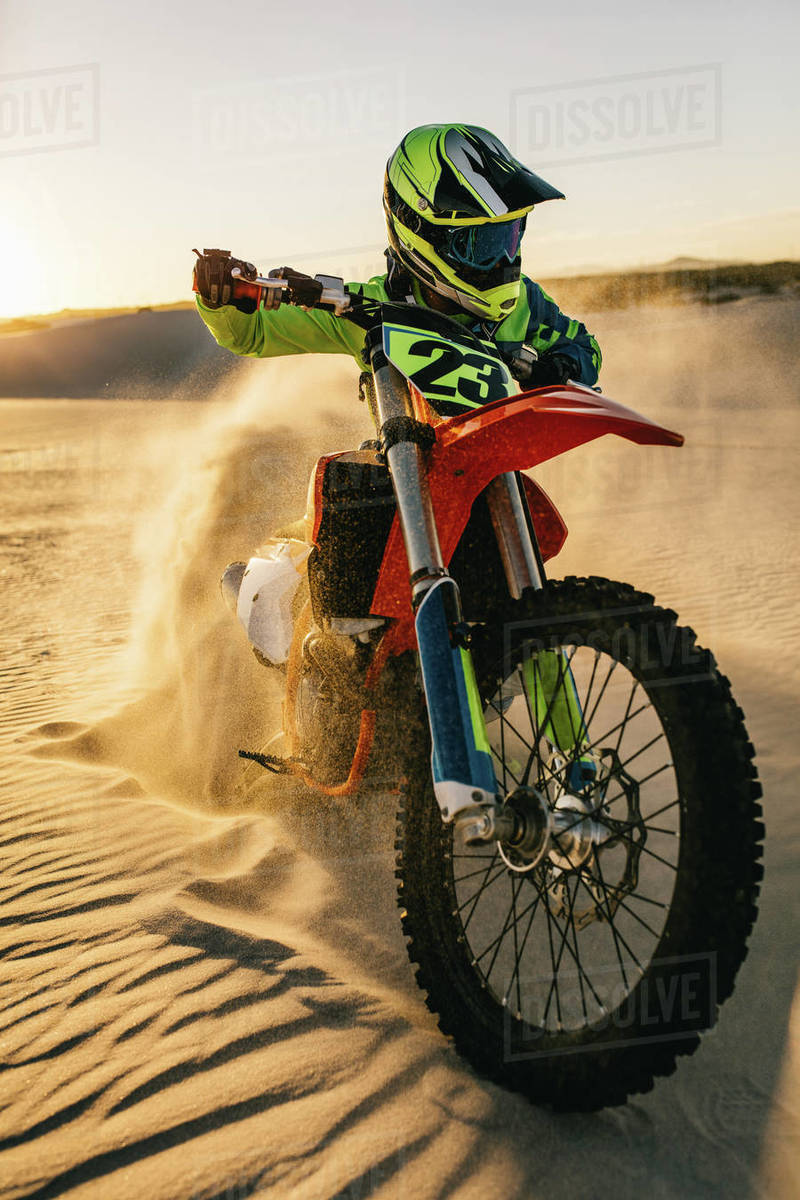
x=463, y=775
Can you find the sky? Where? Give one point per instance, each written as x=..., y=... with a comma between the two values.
x=130, y=133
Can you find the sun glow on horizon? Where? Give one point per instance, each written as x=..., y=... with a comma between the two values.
x=24, y=273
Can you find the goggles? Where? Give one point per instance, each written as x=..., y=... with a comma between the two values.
x=482, y=247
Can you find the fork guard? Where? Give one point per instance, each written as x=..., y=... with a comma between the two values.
x=461, y=762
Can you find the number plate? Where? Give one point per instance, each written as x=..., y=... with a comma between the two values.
x=465, y=373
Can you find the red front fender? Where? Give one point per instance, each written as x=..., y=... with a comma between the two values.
x=510, y=435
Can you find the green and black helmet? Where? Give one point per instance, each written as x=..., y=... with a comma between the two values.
x=456, y=201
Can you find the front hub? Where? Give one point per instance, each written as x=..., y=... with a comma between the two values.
x=532, y=830
x=528, y=832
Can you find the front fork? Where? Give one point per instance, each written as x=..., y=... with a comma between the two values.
x=463, y=775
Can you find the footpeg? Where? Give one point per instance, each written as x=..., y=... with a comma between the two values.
x=274, y=763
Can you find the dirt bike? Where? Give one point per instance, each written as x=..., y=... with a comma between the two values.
x=578, y=830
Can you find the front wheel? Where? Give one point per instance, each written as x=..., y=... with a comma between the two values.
x=578, y=973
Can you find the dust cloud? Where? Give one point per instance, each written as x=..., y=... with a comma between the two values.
x=226, y=484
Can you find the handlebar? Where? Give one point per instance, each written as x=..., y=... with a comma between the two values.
x=334, y=294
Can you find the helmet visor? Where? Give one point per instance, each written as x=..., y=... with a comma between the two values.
x=481, y=247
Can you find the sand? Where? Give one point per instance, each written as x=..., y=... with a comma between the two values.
x=205, y=990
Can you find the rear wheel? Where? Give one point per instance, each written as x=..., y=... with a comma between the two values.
x=578, y=973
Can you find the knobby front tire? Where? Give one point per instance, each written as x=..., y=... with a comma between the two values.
x=574, y=982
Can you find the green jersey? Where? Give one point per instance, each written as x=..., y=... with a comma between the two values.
x=536, y=321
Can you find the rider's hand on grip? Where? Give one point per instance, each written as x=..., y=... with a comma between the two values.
x=551, y=369
x=212, y=276
x=303, y=290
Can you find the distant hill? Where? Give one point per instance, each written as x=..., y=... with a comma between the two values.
x=74, y=316
x=682, y=263
x=140, y=355
x=687, y=263
x=677, y=282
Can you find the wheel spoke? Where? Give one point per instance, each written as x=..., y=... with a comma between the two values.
x=554, y=977
x=579, y=873
x=469, y=875
x=504, y=720
x=615, y=933
x=652, y=775
x=646, y=779
x=659, y=736
x=598, y=741
x=588, y=719
x=515, y=972
x=516, y=939
x=511, y=919
x=636, y=917
x=587, y=697
x=502, y=737
x=496, y=940
x=576, y=954
x=534, y=749
x=487, y=883
x=564, y=934
x=506, y=770
x=625, y=718
x=646, y=850
x=659, y=811
x=575, y=959
x=646, y=899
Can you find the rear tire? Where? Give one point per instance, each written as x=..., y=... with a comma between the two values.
x=540, y=1020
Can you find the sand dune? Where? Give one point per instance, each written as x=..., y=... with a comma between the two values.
x=205, y=991
x=140, y=355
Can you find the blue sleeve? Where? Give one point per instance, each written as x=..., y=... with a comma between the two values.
x=552, y=332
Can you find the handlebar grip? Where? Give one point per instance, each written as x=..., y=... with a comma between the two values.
x=243, y=289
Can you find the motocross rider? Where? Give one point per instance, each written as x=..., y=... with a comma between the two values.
x=456, y=204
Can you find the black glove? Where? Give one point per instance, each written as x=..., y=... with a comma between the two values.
x=303, y=289
x=212, y=273
x=551, y=369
